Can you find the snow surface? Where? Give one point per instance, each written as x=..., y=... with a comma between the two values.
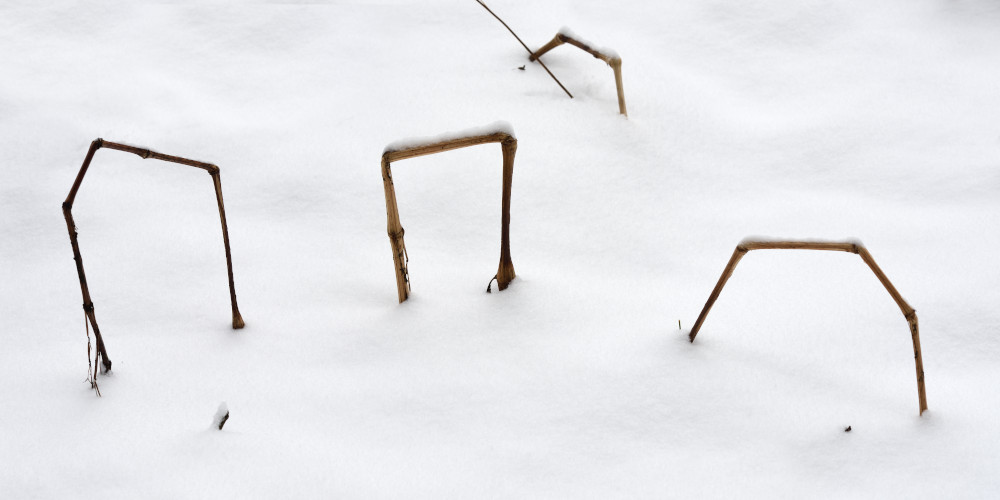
x=796, y=119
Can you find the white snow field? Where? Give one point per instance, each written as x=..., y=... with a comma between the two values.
x=793, y=119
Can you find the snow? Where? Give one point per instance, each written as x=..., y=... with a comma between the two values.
x=497, y=127
x=796, y=119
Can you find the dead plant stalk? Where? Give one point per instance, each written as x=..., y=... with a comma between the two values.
x=67, y=206
x=851, y=247
x=508, y=145
x=612, y=60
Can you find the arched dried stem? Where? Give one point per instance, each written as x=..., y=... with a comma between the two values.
x=851, y=247
x=508, y=145
x=612, y=59
x=67, y=206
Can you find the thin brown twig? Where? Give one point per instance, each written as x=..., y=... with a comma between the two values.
x=525, y=47
x=92, y=377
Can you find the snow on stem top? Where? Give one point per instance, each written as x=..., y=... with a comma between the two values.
x=498, y=127
x=607, y=51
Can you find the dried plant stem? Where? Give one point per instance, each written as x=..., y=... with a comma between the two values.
x=67, y=206
x=856, y=248
x=508, y=145
x=91, y=366
x=525, y=47
x=614, y=61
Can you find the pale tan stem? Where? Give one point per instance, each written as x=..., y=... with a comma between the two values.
x=448, y=145
x=612, y=60
x=911, y=319
x=726, y=274
x=851, y=247
x=799, y=245
x=587, y=48
x=867, y=257
x=505, y=271
x=395, y=230
x=555, y=42
x=616, y=66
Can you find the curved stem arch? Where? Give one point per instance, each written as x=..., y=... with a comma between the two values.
x=608, y=56
x=67, y=206
x=851, y=247
x=500, y=133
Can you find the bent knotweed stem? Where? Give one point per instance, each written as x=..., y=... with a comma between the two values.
x=851, y=247
x=611, y=59
x=67, y=206
x=508, y=145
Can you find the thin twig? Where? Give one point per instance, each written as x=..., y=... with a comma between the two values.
x=525, y=47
